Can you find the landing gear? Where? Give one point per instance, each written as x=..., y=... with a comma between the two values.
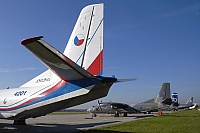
x=19, y=122
x=94, y=115
x=116, y=114
x=148, y=112
x=125, y=114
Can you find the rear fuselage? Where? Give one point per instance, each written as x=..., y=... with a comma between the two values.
x=22, y=103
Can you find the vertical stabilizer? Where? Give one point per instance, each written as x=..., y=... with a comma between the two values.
x=190, y=101
x=85, y=46
x=175, y=99
x=164, y=94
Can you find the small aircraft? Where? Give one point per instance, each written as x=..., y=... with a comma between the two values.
x=176, y=106
x=74, y=77
x=111, y=108
x=162, y=100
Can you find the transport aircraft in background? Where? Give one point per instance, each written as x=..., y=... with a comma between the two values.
x=74, y=77
x=162, y=101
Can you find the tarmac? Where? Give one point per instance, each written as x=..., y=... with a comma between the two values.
x=66, y=123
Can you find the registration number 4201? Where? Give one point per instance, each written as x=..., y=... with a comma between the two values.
x=20, y=93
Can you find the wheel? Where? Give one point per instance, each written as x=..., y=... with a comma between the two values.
x=94, y=115
x=125, y=114
x=116, y=114
x=19, y=122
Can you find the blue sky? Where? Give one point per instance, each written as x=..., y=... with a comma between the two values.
x=154, y=41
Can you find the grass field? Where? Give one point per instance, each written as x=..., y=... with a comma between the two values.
x=179, y=122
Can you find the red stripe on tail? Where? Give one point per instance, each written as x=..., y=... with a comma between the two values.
x=97, y=65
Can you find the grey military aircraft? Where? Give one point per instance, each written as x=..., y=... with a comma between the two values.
x=162, y=101
x=111, y=108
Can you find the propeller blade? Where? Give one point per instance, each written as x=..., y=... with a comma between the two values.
x=99, y=105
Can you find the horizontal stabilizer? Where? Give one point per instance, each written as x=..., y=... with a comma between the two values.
x=61, y=65
x=126, y=80
x=167, y=101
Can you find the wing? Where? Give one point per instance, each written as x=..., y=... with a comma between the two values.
x=119, y=105
x=124, y=108
x=61, y=65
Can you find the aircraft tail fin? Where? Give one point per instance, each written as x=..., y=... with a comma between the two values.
x=85, y=48
x=190, y=101
x=164, y=94
x=85, y=45
x=175, y=99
